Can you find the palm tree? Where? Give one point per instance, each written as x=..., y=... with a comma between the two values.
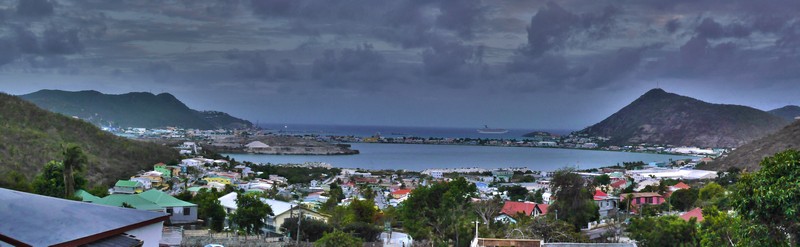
x=74, y=159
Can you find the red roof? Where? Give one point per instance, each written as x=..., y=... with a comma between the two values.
x=512, y=208
x=619, y=184
x=599, y=195
x=681, y=185
x=543, y=207
x=401, y=192
x=694, y=213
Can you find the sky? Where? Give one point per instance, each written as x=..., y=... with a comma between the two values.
x=434, y=63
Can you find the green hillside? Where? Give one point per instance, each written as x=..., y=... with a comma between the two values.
x=144, y=110
x=31, y=136
x=660, y=117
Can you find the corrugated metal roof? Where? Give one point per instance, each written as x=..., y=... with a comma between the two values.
x=163, y=199
x=133, y=200
x=44, y=221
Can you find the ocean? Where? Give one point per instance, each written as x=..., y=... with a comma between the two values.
x=397, y=131
x=417, y=157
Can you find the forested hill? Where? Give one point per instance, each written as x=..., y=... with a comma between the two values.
x=144, y=110
x=30, y=137
x=750, y=155
x=660, y=117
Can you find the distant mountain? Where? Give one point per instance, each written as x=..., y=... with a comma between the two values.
x=30, y=137
x=788, y=112
x=144, y=110
x=660, y=117
x=750, y=155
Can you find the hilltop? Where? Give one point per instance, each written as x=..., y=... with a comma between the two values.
x=660, y=117
x=144, y=110
x=749, y=156
x=30, y=137
x=788, y=112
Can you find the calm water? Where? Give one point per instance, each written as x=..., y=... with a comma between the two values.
x=398, y=131
x=420, y=157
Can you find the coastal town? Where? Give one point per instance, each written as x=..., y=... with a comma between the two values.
x=316, y=190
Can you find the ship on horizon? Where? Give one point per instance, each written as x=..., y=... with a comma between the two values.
x=487, y=130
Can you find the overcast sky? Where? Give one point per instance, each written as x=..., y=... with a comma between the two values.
x=462, y=63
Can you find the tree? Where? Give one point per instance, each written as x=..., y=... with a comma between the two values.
x=664, y=230
x=487, y=209
x=50, y=181
x=439, y=212
x=712, y=194
x=310, y=229
x=365, y=231
x=573, y=198
x=18, y=182
x=515, y=193
x=74, y=159
x=729, y=229
x=209, y=208
x=548, y=229
x=338, y=239
x=683, y=199
x=771, y=196
x=537, y=196
x=363, y=210
x=250, y=213
x=602, y=179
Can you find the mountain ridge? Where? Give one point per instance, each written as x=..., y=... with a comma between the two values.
x=661, y=117
x=748, y=156
x=30, y=137
x=134, y=109
x=789, y=112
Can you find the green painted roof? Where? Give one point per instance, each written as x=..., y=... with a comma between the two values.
x=164, y=199
x=131, y=199
x=86, y=196
x=127, y=183
x=194, y=188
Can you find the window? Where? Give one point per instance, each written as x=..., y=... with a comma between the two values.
x=650, y=200
x=169, y=211
x=186, y=210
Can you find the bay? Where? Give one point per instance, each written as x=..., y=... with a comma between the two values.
x=418, y=157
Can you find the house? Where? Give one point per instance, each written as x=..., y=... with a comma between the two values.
x=181, y=212
x=511, y=209
x=437, y=174
x=128, y=187
x=191, y=162
x=607, y=205
x=218, y=179
x=401, y=193
x=76, y=224
x=161, y=168
x=643, y=198
x=679, y=185
x=696, y=213
x=503, y=175
x=281, y=211
x=86, y=196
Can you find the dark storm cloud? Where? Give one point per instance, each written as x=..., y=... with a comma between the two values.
x=351, y=67
x=35, y=8
x=672, y=25
x=158, y=71
x=56, y=41
x=249, y=65
x=8, y=52
x=553, y=28
x=285, y=70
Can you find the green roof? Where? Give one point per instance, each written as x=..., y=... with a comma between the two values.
x=86, y=196
x=127, y=183
x=194, y=188
x=164, y=199
x=134, y=200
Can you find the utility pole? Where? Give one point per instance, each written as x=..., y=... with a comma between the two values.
x=299, y=222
